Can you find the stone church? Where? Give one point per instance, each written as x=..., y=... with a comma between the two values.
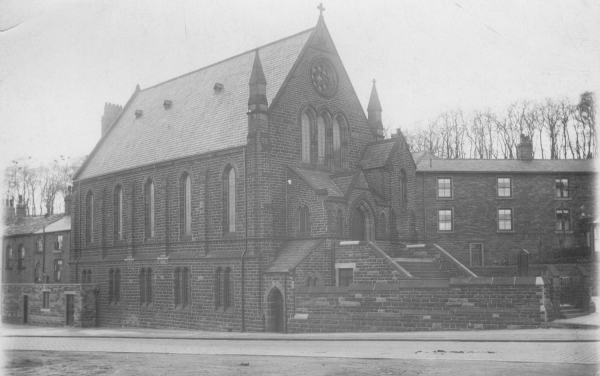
x=212, y=197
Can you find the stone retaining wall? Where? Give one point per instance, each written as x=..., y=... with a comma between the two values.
x=55, y=315
x=419, y=305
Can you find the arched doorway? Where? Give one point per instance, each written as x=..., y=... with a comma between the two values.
x=358, y=225
x=276, y=314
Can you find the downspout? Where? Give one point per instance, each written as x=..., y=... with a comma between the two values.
x=285, y=300
x=246, y=236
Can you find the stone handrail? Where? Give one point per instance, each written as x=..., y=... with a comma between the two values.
x=457, y=263
x=389, y=260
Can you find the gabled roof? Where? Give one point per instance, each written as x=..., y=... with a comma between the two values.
x=318, y=180
x=377, y=154
x=199, y=119
x=292, y=254
x=507, y=165
x=63, y=224
x=30, y=225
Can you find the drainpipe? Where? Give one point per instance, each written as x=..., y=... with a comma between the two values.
x=285, y=317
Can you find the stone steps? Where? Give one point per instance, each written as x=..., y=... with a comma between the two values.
x=568, y=311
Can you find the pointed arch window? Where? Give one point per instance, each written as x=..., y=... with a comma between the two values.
x=37, y=273
x=149, y=209
x=186, y=205
x=145, y=283
x=114, y=285
x=403, y=187
x=181, y=287
x=303, y=221
x=39, y=244
x=89, y=217
x=337, y=144
x=306, y=137
x=340, y=222
x=9, y=257
x=383, y=224
x=361, y=223
x=118, y=213
x=227, y=289
x=218, y=300
x=84, y=276
x=229, y=200
x=21, y=260
x=321, y=141
x=344, y=141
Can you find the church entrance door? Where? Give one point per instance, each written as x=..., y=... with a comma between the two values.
x=276, y=310
x=357, y=232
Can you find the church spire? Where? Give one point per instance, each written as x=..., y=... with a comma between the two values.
x=374, y=113
x=257, y=100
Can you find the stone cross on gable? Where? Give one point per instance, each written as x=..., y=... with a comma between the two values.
x=321, y=9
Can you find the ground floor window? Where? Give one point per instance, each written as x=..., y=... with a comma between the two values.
x=181, y=287
x=345, y=277
x=224, y=289
x=476, y=254
x=114, y=285
x=57, y=270
x=46, y=299
x=145, y=277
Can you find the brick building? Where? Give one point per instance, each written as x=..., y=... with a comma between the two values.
x=210, y=198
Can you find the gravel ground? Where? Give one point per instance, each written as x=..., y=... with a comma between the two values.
x=78, y=363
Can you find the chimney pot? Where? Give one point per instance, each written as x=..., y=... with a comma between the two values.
x=525, y=148
x=111, y=111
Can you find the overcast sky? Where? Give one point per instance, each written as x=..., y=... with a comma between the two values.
x=61, y=60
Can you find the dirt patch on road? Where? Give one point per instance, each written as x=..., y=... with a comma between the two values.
x=69, y=363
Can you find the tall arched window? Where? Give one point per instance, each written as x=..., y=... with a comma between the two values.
x=83, y=276
x=111, y=286
x=345, y=140
x=89, y=217
x=142, y=284
x=328, y=144
x=218, y=300
x=185, y=286
x=305, y=120
x=117, y=294
x=227, y=289
x=89, y=276
x=185, y=200
x=403, y=187
x=148, y=285
x=37, y=274
x=149, y=209
x=229, y=200
x=321, y=140
x=9, y=257
x=361, y=222
x=21, y=261
x=39, y=244
x=383, y=224
x=118, y=213
x=303, y=221
x=340, y=222
x=337, y=145
x=177, y=287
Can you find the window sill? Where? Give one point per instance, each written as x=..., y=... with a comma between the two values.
x=229, y=310
x=505, y=231
x=45, y=310
x=147, y=305
x=563, y=198
x=183, y=308
x=445, y=232
x=186, y=238
x=114, y=304
x=560, y=232
x=505, y=198
x=119, y=242
x=58, y=251
x=445, y=198
x=229, y=235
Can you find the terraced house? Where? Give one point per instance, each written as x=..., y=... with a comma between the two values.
x=256, y=194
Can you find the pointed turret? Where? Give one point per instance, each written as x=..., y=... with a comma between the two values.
x=257, y=100
x=374, y=113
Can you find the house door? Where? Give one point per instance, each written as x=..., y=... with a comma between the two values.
x=357, y=231
x=277, y=311
x=25, y=308
x=70, y=309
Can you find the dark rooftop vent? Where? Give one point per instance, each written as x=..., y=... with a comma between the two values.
x=138, y=114
x=167, y=104
x=218, y=87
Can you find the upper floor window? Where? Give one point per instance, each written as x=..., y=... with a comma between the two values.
x=39, y=244
x=86, y=276
x=563, y=220
x=505, y=220
x=340, y=222
x=340, y=142
x=58, y=245
x=21, y=261
x=304, y=221
x=445, y=220
x=37, y=273
x=57, y=270
x=504, y=187
x=306, y=137
x=89, y=217
x=444, y=188
x=345, y=277
x=403, y=187
x=562, y=188
x=118, y=213
x=185, y=201
x=229, y=200
x=321, y=155
x=149, y=209
x=9, y=257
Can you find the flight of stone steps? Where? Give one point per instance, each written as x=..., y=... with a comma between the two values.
x=569, y=311
x=422, y=263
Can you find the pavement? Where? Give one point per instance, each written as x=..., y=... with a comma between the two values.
x=591, y=321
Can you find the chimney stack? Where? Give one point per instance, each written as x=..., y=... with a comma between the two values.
x=68, y=199
x=525, y=148
x=9, y=210
x=111, y=111
x=21, y=208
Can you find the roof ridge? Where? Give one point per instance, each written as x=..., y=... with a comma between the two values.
x=230, y=58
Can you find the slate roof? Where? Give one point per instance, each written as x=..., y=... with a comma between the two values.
x=507, y=165
x=319, y=180
x=376, y=154
x=292, y=254
x=343, y=182
x=63, y=224
x=421, y=155
x=30, y=225
x=199, y=120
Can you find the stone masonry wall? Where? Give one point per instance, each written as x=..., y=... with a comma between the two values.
x=422, y=305
x=55, y=314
